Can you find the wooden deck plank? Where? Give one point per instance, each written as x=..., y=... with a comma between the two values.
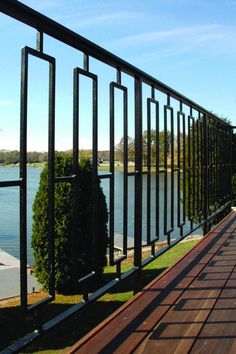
x=193, y=319
x=171, y=312
x=218, y=334
x=184, y=321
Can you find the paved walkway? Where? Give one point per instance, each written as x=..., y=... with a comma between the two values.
x=10, y=276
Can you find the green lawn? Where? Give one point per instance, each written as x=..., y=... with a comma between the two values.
x=66, y=334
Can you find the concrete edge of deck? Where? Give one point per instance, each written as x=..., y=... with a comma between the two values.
x=7, y=261
x=10, y=277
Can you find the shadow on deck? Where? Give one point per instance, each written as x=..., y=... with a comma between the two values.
x=191, y=307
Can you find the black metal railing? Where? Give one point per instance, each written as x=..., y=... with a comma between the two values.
x=180, y=166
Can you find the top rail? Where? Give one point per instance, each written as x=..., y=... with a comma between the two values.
x=52, y=28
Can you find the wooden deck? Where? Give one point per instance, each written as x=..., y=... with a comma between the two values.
x=190, y=308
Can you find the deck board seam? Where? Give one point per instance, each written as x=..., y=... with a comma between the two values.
x=186, y=288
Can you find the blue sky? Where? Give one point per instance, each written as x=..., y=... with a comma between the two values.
x=187, y=44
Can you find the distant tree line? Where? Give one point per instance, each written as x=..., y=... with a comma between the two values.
x=13, y=157
x=158, y=143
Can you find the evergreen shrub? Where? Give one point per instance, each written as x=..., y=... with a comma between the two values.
x=74, y=245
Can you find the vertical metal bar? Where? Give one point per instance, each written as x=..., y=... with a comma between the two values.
x=165, y=173
x=111, y=199
x=226, y=156
x=172, y=167
x=95, y=178
x=224, y=165
x=114, y=86
x=189, y=169
x=75, y=122
x=197, y=165
x=150, y=240
x=125, y=173
x=210, y=164
x=213, y=166
x=118, y=270
x=220, y=165
x=201, y=166
x=157, y=172
x=39, y=41
x=168, y=144
x=199, y=208
x=217, y=166
x=23, y=177
x=227, y=162
x=179, y=168
x=138, y=175
x=184, y=170
x=205, y=172
x=51, y=176
x=75, y=171
x=193, y=168
x=148, y=171
x=231, y=164
x=215, y=162
x=118, y=76
x=153, y=92
x=86, y=62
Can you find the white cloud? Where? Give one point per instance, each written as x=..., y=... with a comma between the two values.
x=201, y=33
x=91, y=20
x=214, y=38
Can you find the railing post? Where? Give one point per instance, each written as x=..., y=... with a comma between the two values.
x=233, y=166
x=205, y=162
x=138, y=174
x=23, y=178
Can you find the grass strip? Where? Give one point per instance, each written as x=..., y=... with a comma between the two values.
x=14, y=325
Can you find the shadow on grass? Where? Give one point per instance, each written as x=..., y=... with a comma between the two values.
x=74, y=328
x=14, y=325
x=130, y=284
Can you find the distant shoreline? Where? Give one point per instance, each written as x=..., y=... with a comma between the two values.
x=101, y=167
x=34, y=164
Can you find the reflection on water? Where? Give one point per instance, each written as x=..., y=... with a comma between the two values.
x=9, y=206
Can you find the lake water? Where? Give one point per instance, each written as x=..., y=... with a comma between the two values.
x=9, y=206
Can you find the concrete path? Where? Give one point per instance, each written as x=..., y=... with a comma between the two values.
x=10, y=277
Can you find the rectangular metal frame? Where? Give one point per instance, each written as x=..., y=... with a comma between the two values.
x=26, y=51
x=181, y=170
x=113, y=86
x=151, y=240
x=76, y=102
x=167, y=231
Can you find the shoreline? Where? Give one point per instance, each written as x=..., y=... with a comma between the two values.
x=102, y=167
